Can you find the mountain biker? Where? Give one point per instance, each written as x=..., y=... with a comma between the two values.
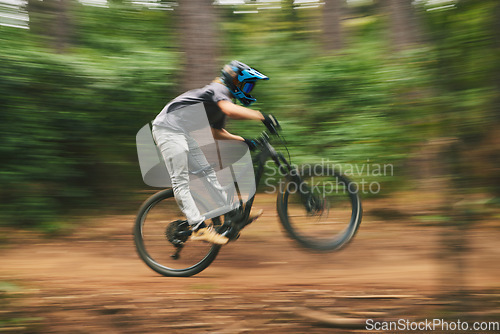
x=236, y=82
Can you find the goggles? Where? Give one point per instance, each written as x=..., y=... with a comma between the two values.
x=246, y=87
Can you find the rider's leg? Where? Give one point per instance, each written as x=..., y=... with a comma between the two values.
x=225, y=201
x=221, y=199
x=174, y=148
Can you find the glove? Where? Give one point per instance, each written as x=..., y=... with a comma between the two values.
x=271, y=124
x=252, y=143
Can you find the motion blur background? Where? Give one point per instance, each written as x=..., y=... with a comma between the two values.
x=414, y=84
x=411, y=85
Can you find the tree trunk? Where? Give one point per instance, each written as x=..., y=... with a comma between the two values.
x=289, y=18
x=50, y=19
x=199, y=42
x=495, y=145
x=403, y=23
x=332, y=25
x=62, y=26
x=496, y=50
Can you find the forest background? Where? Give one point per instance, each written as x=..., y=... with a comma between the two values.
x=411, y=84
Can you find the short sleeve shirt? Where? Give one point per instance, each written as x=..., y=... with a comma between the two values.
x=208, y=95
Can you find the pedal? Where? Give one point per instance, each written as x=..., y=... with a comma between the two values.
x=251, y=219
x=232, y=233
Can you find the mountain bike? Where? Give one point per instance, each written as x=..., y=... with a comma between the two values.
x=318, y=207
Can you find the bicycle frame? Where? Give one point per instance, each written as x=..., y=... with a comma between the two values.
x=259, y=160
x=316, y=204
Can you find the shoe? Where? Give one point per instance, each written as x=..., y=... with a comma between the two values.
x=208, y=234
x=254, y=215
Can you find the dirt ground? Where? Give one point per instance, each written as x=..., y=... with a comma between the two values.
x=92, y=281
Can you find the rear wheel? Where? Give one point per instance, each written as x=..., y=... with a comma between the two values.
x=319, y=208
x=160, y=230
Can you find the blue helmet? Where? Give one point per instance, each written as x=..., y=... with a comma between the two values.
x=240, y=79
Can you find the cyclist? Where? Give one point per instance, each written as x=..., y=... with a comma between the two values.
x=236, y=82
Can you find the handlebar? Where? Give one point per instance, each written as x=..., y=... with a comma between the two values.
x=271, y=123
x=273, y=128
x=264, y=136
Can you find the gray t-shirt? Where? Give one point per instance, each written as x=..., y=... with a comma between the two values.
x=208, y=95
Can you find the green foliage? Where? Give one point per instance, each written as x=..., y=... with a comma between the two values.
x=366, y=104
x=69, y=123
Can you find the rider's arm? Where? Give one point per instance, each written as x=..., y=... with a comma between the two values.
x=235, y=111
x=223, y=134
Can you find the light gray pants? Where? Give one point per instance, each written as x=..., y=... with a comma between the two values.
x=181, y=152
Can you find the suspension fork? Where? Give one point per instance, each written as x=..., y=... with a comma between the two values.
x=310, y=201
x=260, y=160
x=286, y=168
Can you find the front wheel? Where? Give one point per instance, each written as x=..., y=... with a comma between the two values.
x=159, y=231
x=319, y=207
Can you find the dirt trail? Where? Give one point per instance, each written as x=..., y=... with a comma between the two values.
x=93, y=281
